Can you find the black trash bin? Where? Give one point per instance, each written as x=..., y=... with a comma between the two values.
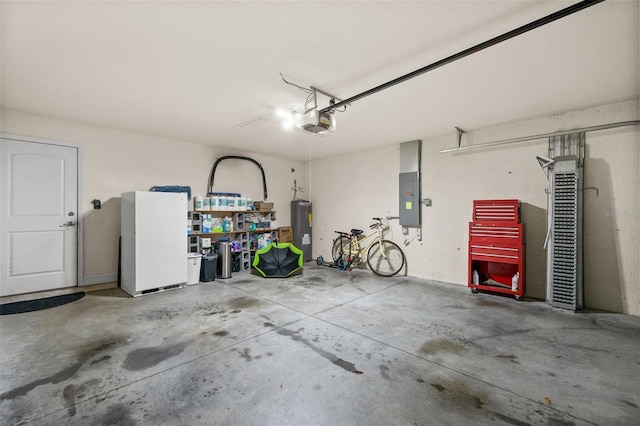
x=208, y=267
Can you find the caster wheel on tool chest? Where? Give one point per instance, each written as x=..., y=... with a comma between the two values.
x=474, y=290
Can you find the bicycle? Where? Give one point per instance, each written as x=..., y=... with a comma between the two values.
x=384, y=257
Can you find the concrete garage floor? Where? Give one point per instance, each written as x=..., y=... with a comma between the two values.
x=323, y=348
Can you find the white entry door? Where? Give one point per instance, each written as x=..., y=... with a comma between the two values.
x=39, y=216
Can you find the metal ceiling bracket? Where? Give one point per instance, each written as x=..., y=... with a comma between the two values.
x=460, y=133
x=328, y=95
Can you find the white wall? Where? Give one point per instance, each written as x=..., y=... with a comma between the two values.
x=117, y=161
x=348, y=190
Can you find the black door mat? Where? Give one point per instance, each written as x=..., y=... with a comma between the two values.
x=39, y=304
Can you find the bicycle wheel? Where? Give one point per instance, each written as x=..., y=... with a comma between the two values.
x=386, y=259
x=335, y=250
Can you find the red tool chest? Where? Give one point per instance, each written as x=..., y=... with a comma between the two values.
x=497, y=248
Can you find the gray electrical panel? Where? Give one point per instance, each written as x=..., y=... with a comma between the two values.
x=410, y=199
x=302, y=221
x=409, y=191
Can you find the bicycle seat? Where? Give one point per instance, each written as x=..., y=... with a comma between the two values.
x=356, y=232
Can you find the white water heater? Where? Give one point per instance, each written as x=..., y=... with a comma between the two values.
x=302, y=221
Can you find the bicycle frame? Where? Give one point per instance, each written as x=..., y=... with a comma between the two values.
x=383, y=257
x=355, y=251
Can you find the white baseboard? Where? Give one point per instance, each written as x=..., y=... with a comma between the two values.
x=100, y=279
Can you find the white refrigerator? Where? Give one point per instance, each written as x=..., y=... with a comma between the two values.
x=153, y=253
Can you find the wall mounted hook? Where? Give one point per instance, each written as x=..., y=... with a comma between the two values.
x=460, y=133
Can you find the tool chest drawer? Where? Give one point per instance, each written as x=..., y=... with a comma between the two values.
x=496, y=211
x=496, y=232
x=490, y=253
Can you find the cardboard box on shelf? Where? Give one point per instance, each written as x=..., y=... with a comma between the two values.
x=263, y=207
x=285, y=234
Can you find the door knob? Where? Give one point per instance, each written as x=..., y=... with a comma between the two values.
x=70, y=223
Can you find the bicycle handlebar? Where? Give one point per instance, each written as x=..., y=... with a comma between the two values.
x=375, y=225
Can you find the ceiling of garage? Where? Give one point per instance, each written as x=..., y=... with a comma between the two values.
x=209, y=71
